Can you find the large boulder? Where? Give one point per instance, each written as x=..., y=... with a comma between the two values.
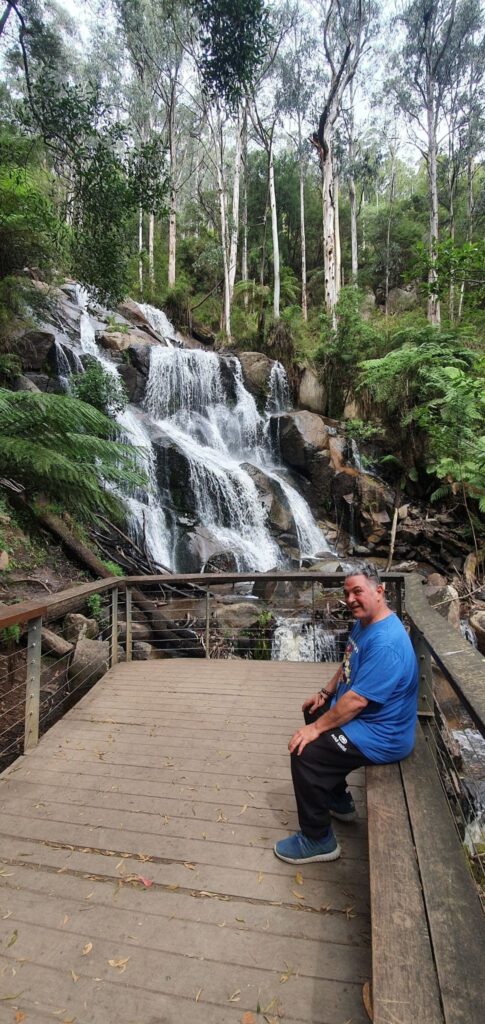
x=401, y=300
x=89, y=662
x=301, y=434
x=477, y=622
x=446, y=601
x=236, y=615
x=274, y=500
x=256, y=369
x=311, y=392
x=139, y=356
x=132, y=312
x=22, y=383
x=33, y=348
x=77, y=627
x=134, y=381
x=120, y=341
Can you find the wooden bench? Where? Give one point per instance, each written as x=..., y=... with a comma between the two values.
x=428, y=927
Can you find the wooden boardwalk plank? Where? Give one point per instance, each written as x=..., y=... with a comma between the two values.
x=177, y=772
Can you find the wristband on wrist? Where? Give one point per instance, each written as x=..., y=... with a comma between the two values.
x=325, y=693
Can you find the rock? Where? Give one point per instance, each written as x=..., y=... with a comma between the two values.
x=436, y=580
x=477, y=622
x=134, y=381
x=139, y=356
x=311, y=392
x=89, y=663
x=131, y=312
x=77, y=627
x=351, y=410
x=142, y=651
x=402, y=512
x=264, y=589
x=235, y=616
x=4, y=560
x=119, y=341
x=402, y=299
x=274, y=499
x=256, y=369
x=446, y=601
x=139, y=631
x=22, y=383
x=367, y=304
x=300, y=434
x=33, y=348
x=54, y=644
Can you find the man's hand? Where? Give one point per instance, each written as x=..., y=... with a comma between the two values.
x=301, y=737
x=313, y=702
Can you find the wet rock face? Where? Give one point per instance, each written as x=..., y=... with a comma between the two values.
x=477, y=622
x=134, y=381
x=301, y=434
x=274, y=500
x=120, y=341
x=33, y=348
x=256, y=369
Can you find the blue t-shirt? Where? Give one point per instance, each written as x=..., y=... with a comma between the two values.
x=380, y=664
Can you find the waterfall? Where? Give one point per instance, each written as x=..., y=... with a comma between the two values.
x=296, y=640
x=63, y=369
x=278, y=399
x=160, y=323
x=199, y=429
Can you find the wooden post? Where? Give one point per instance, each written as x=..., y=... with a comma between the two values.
x=32, y=694
x=128, y=639
x=425, y=692
x=207, y=625
x=113, y=659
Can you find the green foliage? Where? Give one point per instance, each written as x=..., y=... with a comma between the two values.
x=93, y=606
x=55, y=444
x=362, y=432
x=113, y=568
x=30, y=231
x=234, y=38
x=100, y=389
x=10, y=635
x=10, y=367
x=340, y=351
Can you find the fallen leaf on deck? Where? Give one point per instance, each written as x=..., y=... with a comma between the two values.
x=221, y=816
x=6, y=999
x=8, y=914
x=13, y=938
x=241, y=919
x=65, y=919
x=75, y=977
x=19, y=1016
x=86, y=949
x=172, y=887
x=119, y=964
x=299, y=895
x=143, y=857
x=247, y=1018
x=243, y=809
x=5, y=874
x=250, y=794
x=260, y=877
x=191, y=867
x=235, y=996
x=299, y=878
x=198, y=995
x=147, y=882
x=289, y=973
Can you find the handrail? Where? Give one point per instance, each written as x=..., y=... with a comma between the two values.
x=460, y=663
x=27, y=610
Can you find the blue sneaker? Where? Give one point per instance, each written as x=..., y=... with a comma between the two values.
x=342, y=807
x=300, y=849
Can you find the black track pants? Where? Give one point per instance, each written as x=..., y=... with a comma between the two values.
x=320, y=770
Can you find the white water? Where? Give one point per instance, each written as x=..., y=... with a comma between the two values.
x=200, y=406
x=295, y=640
x=160, y=323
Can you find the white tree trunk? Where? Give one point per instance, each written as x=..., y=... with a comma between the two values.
x=172, y=209
x=140, y=249
x=226, y=306
x=151, y=260
x=434, y=313
x=235, y=207
x=388, y=239
x=338, y=248
x=329, y=263
x=274, y=229
x=353, y=230
x=244, y=214
x=304, y=296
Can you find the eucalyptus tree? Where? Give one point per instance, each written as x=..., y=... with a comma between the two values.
x=429, y=65
x=298, y=84
x=346, y=29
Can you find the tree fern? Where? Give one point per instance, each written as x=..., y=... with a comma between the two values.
x=60, y=447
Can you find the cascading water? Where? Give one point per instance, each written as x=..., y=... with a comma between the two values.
x=296, y=640
x=198, y=409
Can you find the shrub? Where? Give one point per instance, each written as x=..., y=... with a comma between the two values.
x=100, y=389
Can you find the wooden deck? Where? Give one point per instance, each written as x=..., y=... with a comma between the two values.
x=138, y=882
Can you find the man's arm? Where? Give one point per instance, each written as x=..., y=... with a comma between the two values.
x=347, y=707
x=318, y=699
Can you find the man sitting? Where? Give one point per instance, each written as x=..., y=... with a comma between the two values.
x=365, y=715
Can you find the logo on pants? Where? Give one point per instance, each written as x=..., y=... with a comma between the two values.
x=340, y=740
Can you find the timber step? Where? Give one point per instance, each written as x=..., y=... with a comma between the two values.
x=428, y=928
